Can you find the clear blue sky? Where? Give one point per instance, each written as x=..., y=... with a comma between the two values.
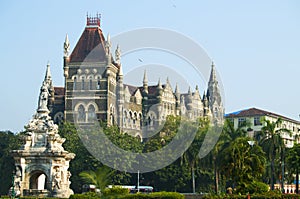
x=255, y=45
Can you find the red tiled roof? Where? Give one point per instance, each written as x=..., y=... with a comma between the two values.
x=92, y=39
x=257, y=112
x=59, y=91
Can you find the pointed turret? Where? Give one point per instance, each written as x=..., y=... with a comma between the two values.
x=177, y=89
x=214, y=97
x=66, y=46
x=213, y=76
x=48, y=77
x=108, y=44
x=118, y=55
x=145, y=82
x=159, y=86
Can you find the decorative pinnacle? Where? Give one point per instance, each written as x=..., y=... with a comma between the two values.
x=48, y=73
x=118, y=54
x=145, y=79
x=66, y=46
x=176, y=89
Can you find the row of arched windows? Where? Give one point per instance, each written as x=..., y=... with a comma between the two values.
x=132, y=119
x=86, y=113
x=86, y=84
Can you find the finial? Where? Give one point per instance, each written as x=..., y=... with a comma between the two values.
x=196, y=88
x=48, y=73
x=108, y=44
x=145, y=79
x=159, y=84
x=168, y=82
x=66, y=46
x=176, y=89
x=189, y=91
x=118, y=54
x=213, y=76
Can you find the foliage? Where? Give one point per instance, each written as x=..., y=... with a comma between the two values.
x=242, y=163
x=8, y=142
x=101, y=177
x=87, y=195
x=273, y=144
x=83, y=160
x=115, y=191
x=293, y=162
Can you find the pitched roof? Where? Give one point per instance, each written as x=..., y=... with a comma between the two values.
x=91, y=40
x=257, y=112
x=132, y=89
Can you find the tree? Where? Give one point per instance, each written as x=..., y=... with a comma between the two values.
x=8, y=142
x=272, y=142
x=191, y=155
x=242, y=163
x=101, y=177
x=229, y=134
x=293, y=161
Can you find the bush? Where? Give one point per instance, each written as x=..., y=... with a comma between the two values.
x=257, y=188
x=115, y=191
x=156, y=195
x=87, y=195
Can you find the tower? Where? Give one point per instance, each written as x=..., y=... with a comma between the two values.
x=214, y=98
x=91, y=77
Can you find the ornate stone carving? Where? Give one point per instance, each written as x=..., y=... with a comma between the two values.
x=43, y=154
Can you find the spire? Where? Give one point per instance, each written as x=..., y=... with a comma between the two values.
x=108, y=44
x=168, y=82
x=190, y=92
x=176, y=89
x=48, y=78
x=118, y=55
x=145, y=79
x=66, y=46
x=159, y=84
x=213, y=76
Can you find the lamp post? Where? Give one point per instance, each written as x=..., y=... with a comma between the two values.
x=138, y=181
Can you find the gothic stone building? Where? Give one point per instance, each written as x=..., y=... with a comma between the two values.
x=94, y=90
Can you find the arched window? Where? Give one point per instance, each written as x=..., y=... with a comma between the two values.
x=98, y=83
x=91, y=113
x=81, y=114
x=74, y=83
x=82, y=84
x=91, y=85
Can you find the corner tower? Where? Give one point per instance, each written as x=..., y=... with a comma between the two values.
x=91, y=77
x=214, y=98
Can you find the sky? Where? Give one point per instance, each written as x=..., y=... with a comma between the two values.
x=255, y=46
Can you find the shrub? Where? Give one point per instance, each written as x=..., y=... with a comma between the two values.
x=115, y=191
x=87, y=195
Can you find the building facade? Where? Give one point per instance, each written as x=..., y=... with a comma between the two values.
x=94, y=90
x=254, y=117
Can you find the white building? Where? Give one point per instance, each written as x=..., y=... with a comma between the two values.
x=254, y=117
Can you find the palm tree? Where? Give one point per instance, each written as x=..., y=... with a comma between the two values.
x=293, y=161
x=100, y=178
x=228, y=135
x=272, y=142
x=242, y=163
